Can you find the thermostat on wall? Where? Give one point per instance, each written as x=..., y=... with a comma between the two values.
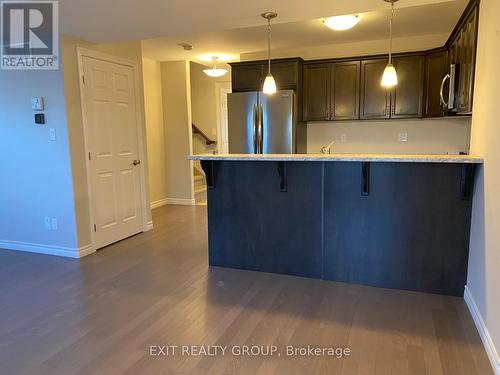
x=37, y=104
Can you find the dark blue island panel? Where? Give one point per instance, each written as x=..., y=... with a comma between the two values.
x=386, y=224
x=411, y=231
x=254, y=225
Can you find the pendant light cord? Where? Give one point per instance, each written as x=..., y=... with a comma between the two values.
x=390, y=33
x=268, y=46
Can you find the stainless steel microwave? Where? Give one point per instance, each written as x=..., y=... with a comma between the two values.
x=450, y=94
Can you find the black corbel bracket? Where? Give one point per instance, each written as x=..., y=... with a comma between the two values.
x=466, y=181
x=282, y=174
x=365, y=178
x=210, y=171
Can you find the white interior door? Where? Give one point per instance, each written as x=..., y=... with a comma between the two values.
x=112, y=142
x=224, y=143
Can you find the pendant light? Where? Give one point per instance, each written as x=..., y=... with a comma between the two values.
x=269, y=83
x=390, y=77
x=215, y=71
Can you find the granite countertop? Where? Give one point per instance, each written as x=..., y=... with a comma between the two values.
x=343, y=157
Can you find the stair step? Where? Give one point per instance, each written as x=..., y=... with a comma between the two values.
x=200, y=189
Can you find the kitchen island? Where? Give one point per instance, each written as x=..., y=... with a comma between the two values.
x=394, y=221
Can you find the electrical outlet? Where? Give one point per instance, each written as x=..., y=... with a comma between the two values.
x=52, y=134
x=343, y=138
x=403, y=137
x=53, y=223
x=47, y=223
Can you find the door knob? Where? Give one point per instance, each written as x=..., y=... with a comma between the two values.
x=136, y=162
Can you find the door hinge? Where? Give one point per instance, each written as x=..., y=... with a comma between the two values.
x=83, y=79
x=90, y=158
x=95, y=228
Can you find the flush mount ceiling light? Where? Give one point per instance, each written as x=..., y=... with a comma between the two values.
x=345, y=22
x=186, y=46
x=390, y=77
x=215, y=71
x=269, y=83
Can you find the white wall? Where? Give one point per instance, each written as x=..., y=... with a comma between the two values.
x=425, y=136
x=153, y=103
x=177, y=127
x=203, y=107
x=35, y=172
x=484, y=260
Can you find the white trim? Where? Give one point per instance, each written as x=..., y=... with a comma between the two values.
x=84, y=52
x=148, y=226
x=489, y=346
x=159, y=203
x=68, y=252
x=180, y=201
x=176, y=201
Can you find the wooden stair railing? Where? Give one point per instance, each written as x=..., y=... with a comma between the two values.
x=208, y=141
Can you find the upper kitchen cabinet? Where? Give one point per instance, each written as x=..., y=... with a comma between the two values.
x=375, y=99
x=249, y=76
x=344, y=90
x=403, y=101
x=316, y=92
x=331, y=91
x=462, y=51
x=407, y=95
x=436, y=68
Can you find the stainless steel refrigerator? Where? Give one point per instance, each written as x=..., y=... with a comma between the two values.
x=264, y=124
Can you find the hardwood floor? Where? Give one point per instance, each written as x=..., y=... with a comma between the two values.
x=101, y=314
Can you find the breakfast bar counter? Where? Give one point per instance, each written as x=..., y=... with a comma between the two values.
x=394, y=221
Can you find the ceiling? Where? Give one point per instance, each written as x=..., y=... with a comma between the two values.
x=106, y=21
x=436, y=18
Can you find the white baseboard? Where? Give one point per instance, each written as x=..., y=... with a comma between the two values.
x=68, y=252
x=489, y=346
x=147, y=226
x=159, y=203
x=179, y=201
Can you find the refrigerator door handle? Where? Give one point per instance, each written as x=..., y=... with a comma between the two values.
x=261, y=130
x=254, y=129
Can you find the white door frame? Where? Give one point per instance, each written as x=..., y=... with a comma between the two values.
x=221, y=90
x=84, y=52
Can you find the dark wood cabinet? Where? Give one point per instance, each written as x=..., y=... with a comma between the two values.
x=331, y=91
x=407, y=96
x=249, y=76
x=403, y=101
x=316, y=92
x=467, y=63
x=462, y=51
x=375, y=99
x=344, y=90
x=436, y=68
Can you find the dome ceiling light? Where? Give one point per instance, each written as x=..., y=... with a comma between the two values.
x=345, y=22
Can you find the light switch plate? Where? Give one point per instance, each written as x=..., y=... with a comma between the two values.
x=403, y=137
x=37, y=104
x=52, y=134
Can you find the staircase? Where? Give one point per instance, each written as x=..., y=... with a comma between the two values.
x=200, y=188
